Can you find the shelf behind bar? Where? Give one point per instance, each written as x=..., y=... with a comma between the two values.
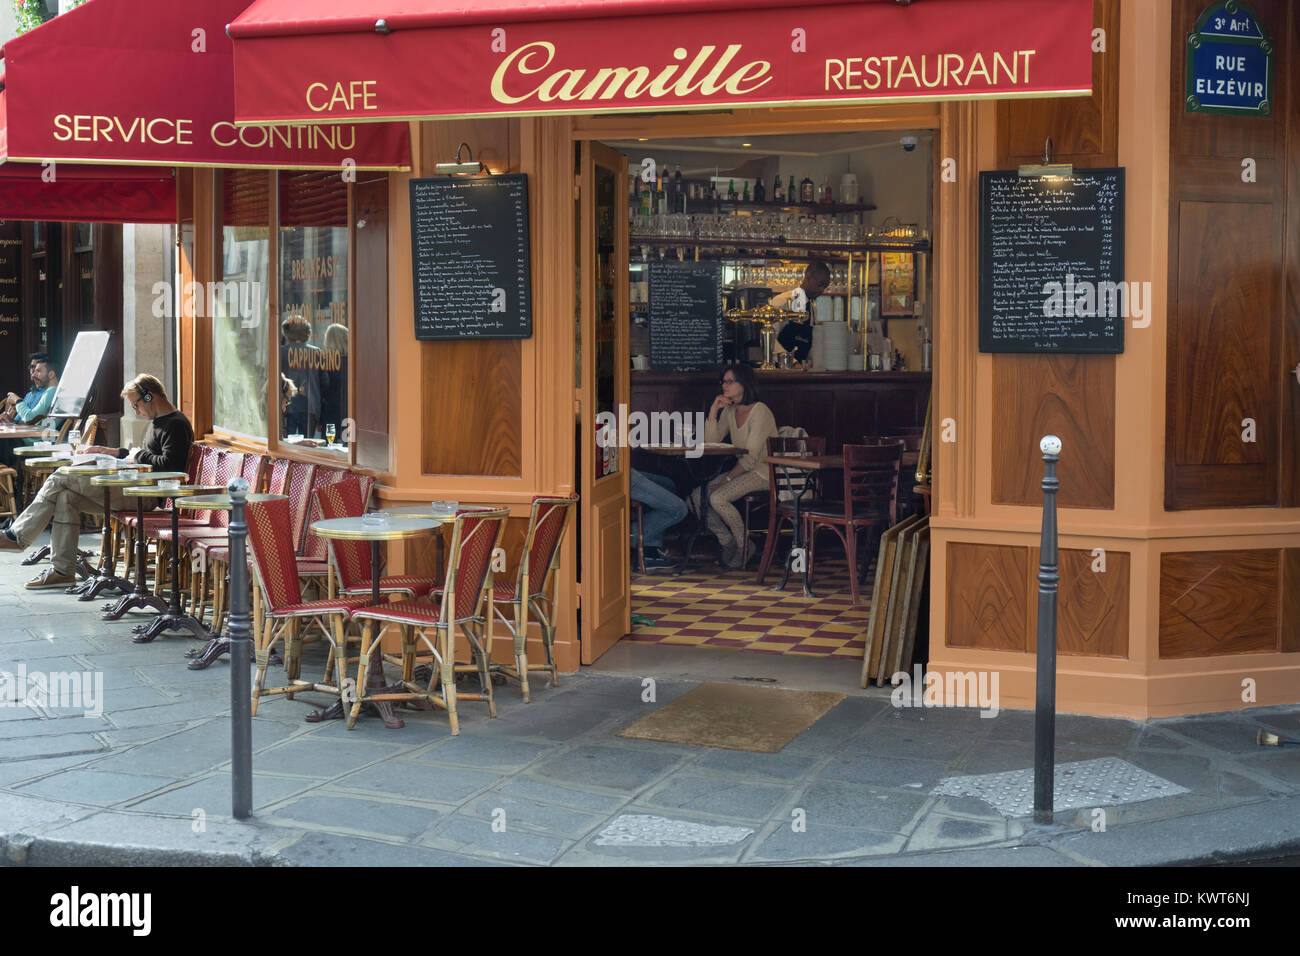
x=920, y=245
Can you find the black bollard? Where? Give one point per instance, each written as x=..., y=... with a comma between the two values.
x=241, y=645
x=1045, y=691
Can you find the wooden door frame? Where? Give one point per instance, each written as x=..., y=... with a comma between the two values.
x=591, y=645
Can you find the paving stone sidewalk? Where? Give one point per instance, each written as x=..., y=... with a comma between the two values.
x=147, y=780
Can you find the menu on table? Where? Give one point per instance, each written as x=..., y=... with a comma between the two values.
x=1052, y=263
x=685, y=316
x=470, y=257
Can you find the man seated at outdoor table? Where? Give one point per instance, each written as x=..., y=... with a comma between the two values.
x=65, y=498
x=32, y=408
x=661, y=509
x=36, y=403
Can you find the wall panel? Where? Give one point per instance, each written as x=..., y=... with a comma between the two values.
x=1219, y=602
x=987, y=597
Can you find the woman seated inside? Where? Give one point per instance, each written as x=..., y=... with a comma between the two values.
x=736, y=417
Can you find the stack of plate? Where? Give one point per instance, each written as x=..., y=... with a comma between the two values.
x=835, y=346
x=815, y=353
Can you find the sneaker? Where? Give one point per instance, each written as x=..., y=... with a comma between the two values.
x=49, y=578
x=656, y=560
x=7, y=543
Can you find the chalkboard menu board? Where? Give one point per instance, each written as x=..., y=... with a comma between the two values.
x=1052, y=263
x=469, y=257
x=685, y=316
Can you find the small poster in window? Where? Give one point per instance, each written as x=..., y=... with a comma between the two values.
x=898, y=283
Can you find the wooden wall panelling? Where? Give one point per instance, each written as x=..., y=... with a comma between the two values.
x=1070, y=396
x=470, y=390
x=1092, y=606
x=1290, y=615
x=369, y=367
x=1224, y=331
x=1084, y=131
x=1227, y=354
x=1290, y=423
x=987, y=596
x=472, y=399
x=206, y=268
x=106, y=313
x=1219, y=602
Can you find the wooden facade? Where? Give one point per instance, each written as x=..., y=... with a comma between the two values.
x=1180, y=558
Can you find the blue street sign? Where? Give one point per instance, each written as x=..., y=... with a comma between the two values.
x=1229, y=63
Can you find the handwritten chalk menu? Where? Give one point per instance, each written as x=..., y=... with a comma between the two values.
x=1052, y=263
x=469, y=257
x=685, y=316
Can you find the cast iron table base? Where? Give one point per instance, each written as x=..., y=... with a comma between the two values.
x=139, y=596
x=172, y=618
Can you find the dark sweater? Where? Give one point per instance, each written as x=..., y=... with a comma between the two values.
x=166, y=445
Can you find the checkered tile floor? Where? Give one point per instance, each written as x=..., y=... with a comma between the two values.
x=711, y=607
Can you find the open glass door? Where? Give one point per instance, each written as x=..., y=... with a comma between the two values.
x=606, y=585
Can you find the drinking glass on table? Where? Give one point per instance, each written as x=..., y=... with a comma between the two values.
x=330, y=432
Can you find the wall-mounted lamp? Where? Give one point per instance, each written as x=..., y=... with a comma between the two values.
x=458, y=168
x=1048, y=169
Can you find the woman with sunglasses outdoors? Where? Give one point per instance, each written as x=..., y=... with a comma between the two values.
x=739, y=418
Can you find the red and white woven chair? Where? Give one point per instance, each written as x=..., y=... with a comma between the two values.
x=285, y=612
x=198, y=543
x=206, y=523
x=313, y=555
x=351, y=559
x=466, y=604
x=534, y=587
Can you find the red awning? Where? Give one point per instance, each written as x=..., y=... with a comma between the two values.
x=151, y=82
x=385, y=59
x=65, y=192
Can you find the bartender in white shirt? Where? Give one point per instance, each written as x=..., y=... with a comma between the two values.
x=796, y=335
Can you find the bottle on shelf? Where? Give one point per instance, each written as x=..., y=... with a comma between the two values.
x=713, y=190
x=731, y=190
x=828, y=196
x=806, y=190
x=791, y=193
x=661, y=198
x=778, y=191
x=647, y=204
x=745, y=193
x=760, y=194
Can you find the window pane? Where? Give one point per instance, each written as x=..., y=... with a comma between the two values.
x=314, y=308
x=239, y=307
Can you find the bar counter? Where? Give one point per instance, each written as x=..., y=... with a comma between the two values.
x=841, y=406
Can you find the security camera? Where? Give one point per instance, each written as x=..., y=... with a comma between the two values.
x=908, y=142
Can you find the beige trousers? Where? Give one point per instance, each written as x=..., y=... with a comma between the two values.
x=725, y=520
x=65, y=498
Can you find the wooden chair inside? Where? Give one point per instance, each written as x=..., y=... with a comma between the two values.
x=782, y=485
x=870, y=502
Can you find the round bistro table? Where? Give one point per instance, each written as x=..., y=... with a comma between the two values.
x=395, y=528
